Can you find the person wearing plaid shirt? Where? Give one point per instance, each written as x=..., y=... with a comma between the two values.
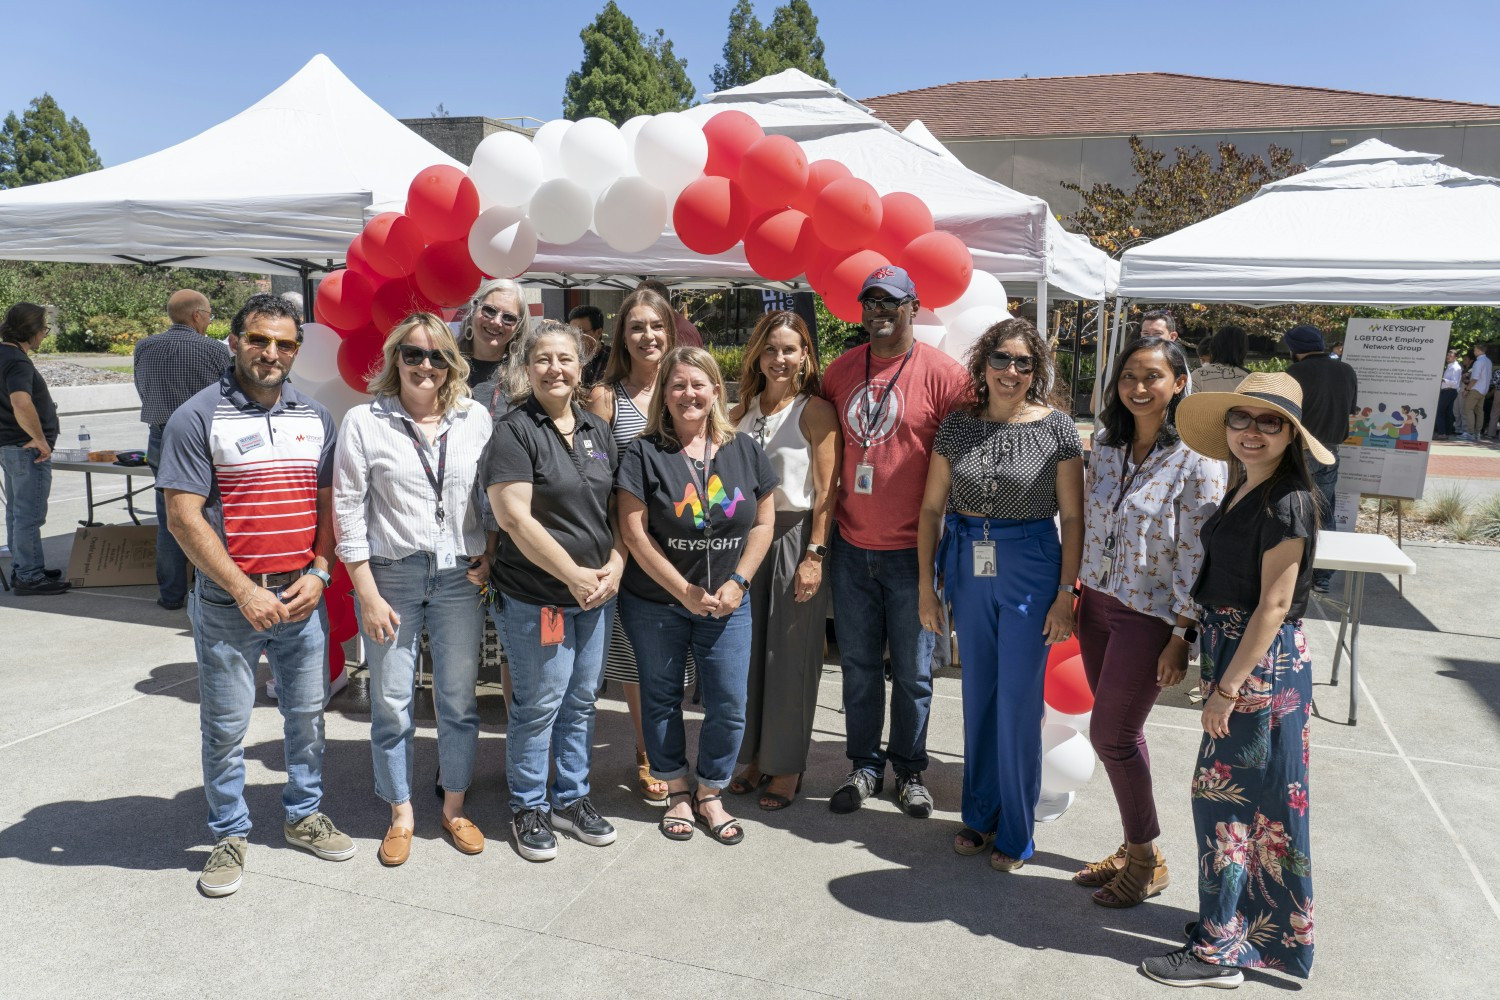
x=169, y=369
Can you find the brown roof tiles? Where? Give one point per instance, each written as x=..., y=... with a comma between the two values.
x=1124, y=103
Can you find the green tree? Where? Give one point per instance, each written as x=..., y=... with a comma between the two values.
x=624, y=73
x=744, y=49
x=792, y=41
x=43, y=145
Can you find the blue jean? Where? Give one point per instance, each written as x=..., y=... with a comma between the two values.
x=229, y=648
x=1000, y=623
x=552, y=701
x=447, y=605
x=1326, y=479
x=27, y=485
x=662, y=634
x=171, y=561
x=875, y=606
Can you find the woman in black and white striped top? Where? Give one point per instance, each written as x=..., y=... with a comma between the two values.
x=645, y=330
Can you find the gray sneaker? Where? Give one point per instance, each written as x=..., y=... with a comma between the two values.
x=317, y=833
x=914, y=797
x=226, y=866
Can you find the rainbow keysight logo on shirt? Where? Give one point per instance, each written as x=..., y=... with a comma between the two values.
x=691, y=501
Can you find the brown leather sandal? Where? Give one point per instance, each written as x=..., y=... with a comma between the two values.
x=1132, y=886
x=1097, y=874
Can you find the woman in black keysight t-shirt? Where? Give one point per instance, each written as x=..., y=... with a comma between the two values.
x=697, y=511
x=1250, y=789
x=550, y=474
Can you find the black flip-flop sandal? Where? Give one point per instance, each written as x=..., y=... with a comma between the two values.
x=717, y=832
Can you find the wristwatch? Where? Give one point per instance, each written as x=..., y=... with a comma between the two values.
x=814, y=549
x=1187, y=633
x=314, y=571
x=1063, y=588
x=743, y=583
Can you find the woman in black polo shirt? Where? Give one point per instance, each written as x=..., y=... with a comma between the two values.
x=550, y=473
x=697, y=511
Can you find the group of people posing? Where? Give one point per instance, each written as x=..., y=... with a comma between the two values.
x=644, y=530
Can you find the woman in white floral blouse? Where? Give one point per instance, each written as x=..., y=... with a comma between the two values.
x=1146, y=497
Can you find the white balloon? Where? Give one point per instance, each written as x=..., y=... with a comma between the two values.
x=547, y=141
x=670, y=152
x=1067, y=759
x=339, y=398
x=928, y=328
x=969, y=327
x=506, y=170
x=561, y=211
x=594, y=154
x=628, y=132
x=984, y=290
x=502, y=242
x=1077, y=723
x=318, y=358
x=631, y=214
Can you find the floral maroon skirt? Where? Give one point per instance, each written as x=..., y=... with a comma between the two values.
x=1250, y=808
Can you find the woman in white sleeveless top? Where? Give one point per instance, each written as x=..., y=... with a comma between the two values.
x=780, y=408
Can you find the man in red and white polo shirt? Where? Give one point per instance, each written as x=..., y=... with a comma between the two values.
x=247, y=467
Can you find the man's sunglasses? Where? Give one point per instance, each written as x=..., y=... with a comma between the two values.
x=414, y=356
x=1024, y=364
x=872, y=303
x=506, y=319
x=260, y=342
x=1266, y=423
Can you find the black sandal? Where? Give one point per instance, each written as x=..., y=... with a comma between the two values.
x=717, y=832
x=777, y=801
x=676, y=820
x=740, y=785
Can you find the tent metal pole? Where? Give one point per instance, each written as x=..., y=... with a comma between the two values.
x=1104, y=351
x=305, y=273
x=1041, y=308
x=1077, y=352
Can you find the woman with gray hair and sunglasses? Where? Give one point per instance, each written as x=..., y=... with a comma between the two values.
x=493, y=328
x=408, y=526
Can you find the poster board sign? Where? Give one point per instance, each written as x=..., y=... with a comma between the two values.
x=1400, y=367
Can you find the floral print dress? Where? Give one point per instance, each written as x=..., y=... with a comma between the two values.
x=1255, y=901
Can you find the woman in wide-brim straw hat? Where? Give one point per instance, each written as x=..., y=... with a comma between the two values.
x=1250, y=787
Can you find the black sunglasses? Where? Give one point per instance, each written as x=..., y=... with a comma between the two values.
x=882, y=304
x=490, y=313
x=1024, y=364
x=1266, y=423
x=414, y=356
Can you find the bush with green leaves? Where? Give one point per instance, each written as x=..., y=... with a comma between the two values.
x=731, y=359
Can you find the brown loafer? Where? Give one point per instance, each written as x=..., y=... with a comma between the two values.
x=396, y=847
x=466, y=836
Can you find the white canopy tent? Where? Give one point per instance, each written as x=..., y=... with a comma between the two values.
x=1011, y=234
x=280, y=188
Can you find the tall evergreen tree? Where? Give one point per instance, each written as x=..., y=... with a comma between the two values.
x=625, y=74
x=792, y=42
x=744, y=49
x=43, y=145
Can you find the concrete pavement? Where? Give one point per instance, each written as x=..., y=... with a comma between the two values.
x=101, y=839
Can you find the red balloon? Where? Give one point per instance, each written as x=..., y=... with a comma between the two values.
x=342, y=623
x=903, y=218
x=940, y=266
x=846, y=215
x=391, y=242
x=396, y=300
x=820, y=174
x=844, y=281
x=335, y=660
x=342, y=300
x=773, y=171
x=1065, y=650
x=446, y=274
x=819, y=259
x=341, y=584
x=778, y=244
x=1067, y=687
x=730, y=134
x=444, y=202
x=355, y=260
x=360, y=359
x=711, y=215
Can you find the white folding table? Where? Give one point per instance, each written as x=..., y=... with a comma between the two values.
x=1355, y=555
x=92, y=469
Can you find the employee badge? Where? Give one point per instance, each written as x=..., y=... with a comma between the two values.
x=864, y=478
x=984, y=558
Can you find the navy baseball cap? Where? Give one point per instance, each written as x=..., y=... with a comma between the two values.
x=894, y=281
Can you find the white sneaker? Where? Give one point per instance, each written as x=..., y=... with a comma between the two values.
x=271, y=688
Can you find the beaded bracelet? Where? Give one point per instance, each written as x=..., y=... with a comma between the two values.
x=1219, y=690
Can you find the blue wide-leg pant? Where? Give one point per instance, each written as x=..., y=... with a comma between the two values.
x=999, y=621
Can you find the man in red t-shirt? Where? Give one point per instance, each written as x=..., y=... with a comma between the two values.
x=890, y=396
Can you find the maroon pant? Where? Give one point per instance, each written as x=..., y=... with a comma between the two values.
x=1120, y=647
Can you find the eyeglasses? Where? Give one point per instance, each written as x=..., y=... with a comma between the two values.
x=760, y=430
x=506, y=319
x=1266, y=423
x=1024, y=364
x=260, y=342
x=411, y=357
x=882, y=304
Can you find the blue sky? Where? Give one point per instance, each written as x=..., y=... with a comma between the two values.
x=144, y=75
